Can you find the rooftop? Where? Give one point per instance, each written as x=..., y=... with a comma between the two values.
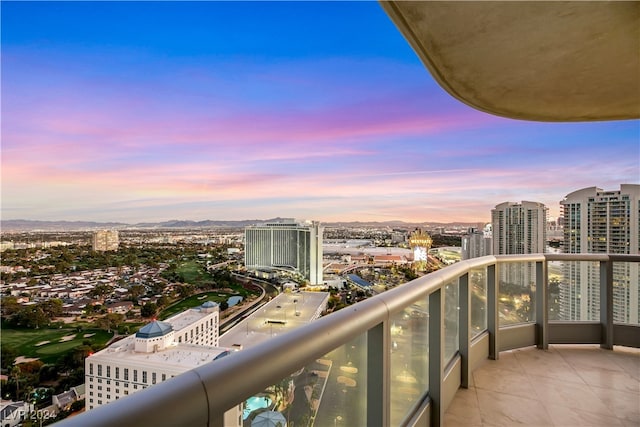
x=567, y=385
x=276, y=317
x=188, y=317
x=178, y=357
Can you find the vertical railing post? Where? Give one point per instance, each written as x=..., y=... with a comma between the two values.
x=493, y=321
x=606, y=304
x=436, y=355
x=378, y=397
x=542, y=312
x=464, y=316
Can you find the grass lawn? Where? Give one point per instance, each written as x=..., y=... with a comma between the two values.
x=194, y=301
x=192, y=272
x=49, y=344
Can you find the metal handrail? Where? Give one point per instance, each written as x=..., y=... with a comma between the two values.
x=206, y=392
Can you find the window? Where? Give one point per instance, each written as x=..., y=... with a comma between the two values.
x=99, y=370
x=135, y=375
x=144, y=377
x=99, y=387
x=117, y=372
x=126, y=392
x=99, y=394
x=90, y=393
x=164, y=377
x=153, y=378
x=90, y=368
x=108, y=371
x=126, y=374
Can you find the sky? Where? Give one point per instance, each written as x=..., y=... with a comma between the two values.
x=135, y=112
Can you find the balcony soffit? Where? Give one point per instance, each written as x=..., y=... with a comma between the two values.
x=544, y=61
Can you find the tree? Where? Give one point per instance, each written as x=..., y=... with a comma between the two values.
x=8, y=356
x=149, y=309
x=110, y=321
x=136, y=291
x=100, y=291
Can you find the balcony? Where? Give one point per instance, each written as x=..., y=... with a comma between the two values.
x=461, y=337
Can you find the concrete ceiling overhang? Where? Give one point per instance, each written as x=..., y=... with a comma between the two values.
x=545, y=61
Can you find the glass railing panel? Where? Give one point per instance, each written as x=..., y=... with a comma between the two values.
x=409, y=359
x=574, y=291
x=516, y=294
x=626, y=298
x=334, y=392
x=451, y=320
x=478, y=290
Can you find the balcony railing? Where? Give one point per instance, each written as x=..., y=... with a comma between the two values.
x=399, y=357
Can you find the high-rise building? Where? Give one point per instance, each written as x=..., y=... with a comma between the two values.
x=597, y=221
x=477, y=243
x=287, y=245
x=519, y=228
x=105, y=240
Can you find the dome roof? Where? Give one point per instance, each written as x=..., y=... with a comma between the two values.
x=209, y=304
x=154, y=329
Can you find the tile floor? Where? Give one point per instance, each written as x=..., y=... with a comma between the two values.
x=564, y=386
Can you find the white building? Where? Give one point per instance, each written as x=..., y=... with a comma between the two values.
x=519, y=228
x=597, y=221
x=286, y=245
x=105, y=240
x=157, y=352
x=477, y=243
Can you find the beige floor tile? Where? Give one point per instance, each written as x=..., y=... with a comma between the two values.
x=506, y=360
x=503, y=381
x=622, y=404
x=566, y=417
x=617, y=380
x=628, y=360
x=570, y=395
x=549, y=364
x=588, y=357
x=498, y=409
x=564, y=386
x=464, y=410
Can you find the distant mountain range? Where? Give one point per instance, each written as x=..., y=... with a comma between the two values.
x=31, y=225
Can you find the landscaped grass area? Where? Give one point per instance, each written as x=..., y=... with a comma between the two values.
x=192, y=272
x=50, y=344
x=194, y=301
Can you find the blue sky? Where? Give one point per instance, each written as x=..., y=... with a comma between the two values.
x=123, y=111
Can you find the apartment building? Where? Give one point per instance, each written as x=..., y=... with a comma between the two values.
x=598, y=221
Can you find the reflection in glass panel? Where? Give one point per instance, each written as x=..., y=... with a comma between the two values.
x=626, y=299
x=409, y=359
x=335, y=385
x=576, y=286
x=516, y=295
x=451, y=320
x=478, y=290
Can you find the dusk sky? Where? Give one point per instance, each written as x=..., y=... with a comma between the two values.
x=147, y=111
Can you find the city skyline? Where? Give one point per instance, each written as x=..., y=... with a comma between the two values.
x=135, y=112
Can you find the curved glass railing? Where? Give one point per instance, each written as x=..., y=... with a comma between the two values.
x=399, y=357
